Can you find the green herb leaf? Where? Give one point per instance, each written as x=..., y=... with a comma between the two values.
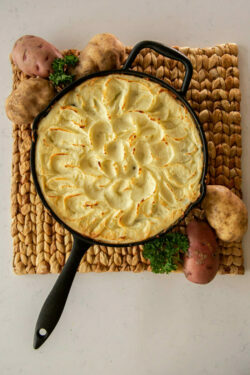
x=164, y=252
x=60, y=79
x=71, y=60
x=60, y=76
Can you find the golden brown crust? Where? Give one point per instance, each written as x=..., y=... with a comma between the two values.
x=118, y=159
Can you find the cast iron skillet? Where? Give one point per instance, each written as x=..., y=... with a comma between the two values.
x=55, y=302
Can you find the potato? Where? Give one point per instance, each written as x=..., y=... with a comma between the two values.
x=30, y=98
x=103, y=52
x=201, y=263
x=34, y=56
x=225, y=212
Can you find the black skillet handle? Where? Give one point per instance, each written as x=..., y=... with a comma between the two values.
x=167, y=52
x=53, y=306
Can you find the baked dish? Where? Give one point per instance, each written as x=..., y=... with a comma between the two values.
x=119, y=159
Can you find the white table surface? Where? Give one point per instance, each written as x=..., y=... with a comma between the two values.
x=125, y=323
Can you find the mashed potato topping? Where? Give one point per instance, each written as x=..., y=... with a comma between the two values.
x=119, y=159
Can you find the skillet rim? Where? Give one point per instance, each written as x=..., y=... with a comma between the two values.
x=177, y=96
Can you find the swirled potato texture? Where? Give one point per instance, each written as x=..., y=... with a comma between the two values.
x=119, y=159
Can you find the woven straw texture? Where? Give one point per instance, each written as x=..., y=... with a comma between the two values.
x=41, y=245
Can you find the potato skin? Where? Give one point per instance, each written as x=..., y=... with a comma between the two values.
x=30, y=98
x=103, y=52
x=34, y=55
x=225, y=212
x=201, y=263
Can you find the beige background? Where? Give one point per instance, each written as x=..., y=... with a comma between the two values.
x=125, y=323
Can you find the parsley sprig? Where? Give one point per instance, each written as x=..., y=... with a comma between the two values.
x=60, y=76
x=164, y=252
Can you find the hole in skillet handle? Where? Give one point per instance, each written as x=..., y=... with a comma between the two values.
x=167, y=52
x=42, y=332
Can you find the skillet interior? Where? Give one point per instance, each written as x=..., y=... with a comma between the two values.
x=101, y=74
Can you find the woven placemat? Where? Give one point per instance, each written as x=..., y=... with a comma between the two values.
x=41, y=245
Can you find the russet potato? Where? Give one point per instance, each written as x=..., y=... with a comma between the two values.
x=30, y=98
x=225, y=212
x=103, y=52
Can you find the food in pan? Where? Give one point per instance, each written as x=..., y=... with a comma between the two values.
x=226, y=213
x=201, y=262
x=119, y=159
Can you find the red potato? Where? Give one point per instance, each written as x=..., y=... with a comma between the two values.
x=201, y=263
x=34, y=55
